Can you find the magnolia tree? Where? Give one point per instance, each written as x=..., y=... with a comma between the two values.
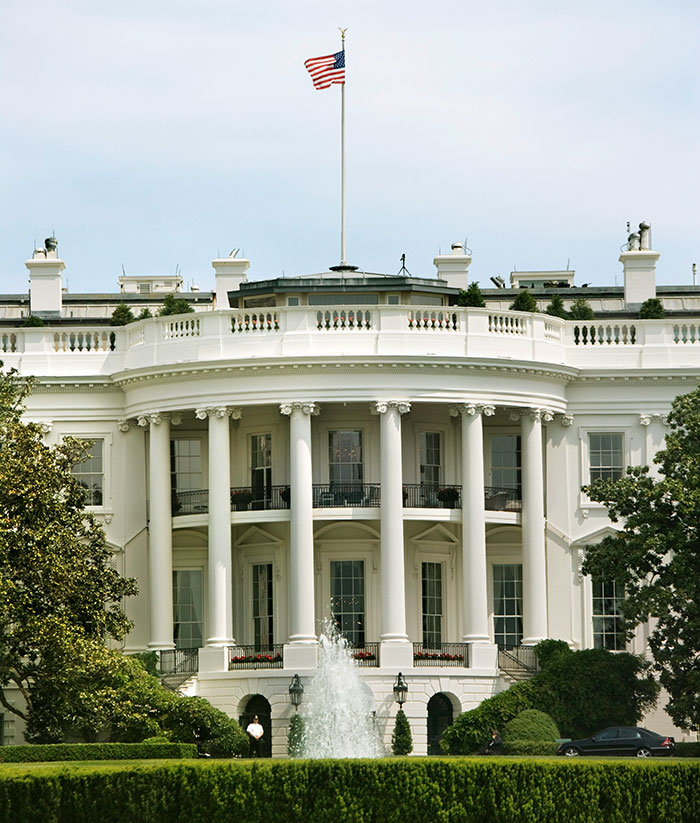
x=656, y=555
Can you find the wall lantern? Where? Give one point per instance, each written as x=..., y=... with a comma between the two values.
x=296, y=691
x=400, y=690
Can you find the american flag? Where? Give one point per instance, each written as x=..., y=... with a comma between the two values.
x=326, y=70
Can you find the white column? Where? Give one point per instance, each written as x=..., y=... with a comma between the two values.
x=474, y=577
x=302, y=623
x=533, y=536
x=160, y=544
x=393, y=578
x=219, y=564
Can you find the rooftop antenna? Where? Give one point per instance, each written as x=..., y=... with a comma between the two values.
x=123, y=270
x=568, y=263
x=695, y=274
x=403, y=269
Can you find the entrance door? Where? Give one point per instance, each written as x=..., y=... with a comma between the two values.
x=260, y=706
x=439, y=718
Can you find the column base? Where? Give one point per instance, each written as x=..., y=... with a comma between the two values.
x=160, y=645
x=396, y=654
x=531, y=641
x=219, y=642
x=213, y=659
x=483, y=656
x=300, y=655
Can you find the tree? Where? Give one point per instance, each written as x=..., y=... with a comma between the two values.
x=581, y=310
x=174, y=305
x=401, y=740
x=524, y=302
x=144, y=314
x=652, y=309
x=122, y=315
x=471, y=297
x=33, y=320
x=59, y=594
x=556, y=307
x=295, y=737
x=655, y=557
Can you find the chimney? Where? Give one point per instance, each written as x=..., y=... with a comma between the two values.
x=45, y=287
x=453, y=267
x=230, y=273
x=639, y=266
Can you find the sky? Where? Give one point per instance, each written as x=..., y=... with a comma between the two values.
x=156, y=135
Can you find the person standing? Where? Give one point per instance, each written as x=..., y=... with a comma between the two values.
x=255, y=732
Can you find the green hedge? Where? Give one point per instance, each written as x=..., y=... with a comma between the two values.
x=687, y=750
x=530, y=747
x=391, y=790
x=49, y=752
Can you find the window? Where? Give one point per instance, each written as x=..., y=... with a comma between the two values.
x=186, y=464
x=292, y=301
x=508, y=604
x=90, y=473
x=430, y=462
x=393, y=300
x=506, y=462
x=605, y=455
x=426, y=300
x=263, y=635
x=345, y=465
x=187, y=609
x=348, y=599
x=261, y=469
x=343, y=299
x=432, y=605
x=608, y=625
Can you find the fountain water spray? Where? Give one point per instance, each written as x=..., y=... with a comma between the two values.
x=338, y=706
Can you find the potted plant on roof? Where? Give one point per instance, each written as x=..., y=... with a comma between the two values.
x=241, y=498
x=448, y=496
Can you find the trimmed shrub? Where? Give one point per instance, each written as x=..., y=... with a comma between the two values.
x=195, y=720
x=652, y=309
x=687, y=750
x=556, y=307
x=524, y=302
x=51, y=752
x=122, y=315
x=581, y=310
x=144, y=314
x=530, y=748
x=547, y=650
x=33, y=320
x=401, y=740
x=174, y=305
x=295, y=736
x=531, y=725
x=471, y=297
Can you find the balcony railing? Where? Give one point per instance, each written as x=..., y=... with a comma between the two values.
x=366, y=655
x=427, y=496
x=196, y=501
x=255, y=657
x=518, y=657
x=502, y=500
x=441, y=654
x=347, y=495
x=179, y=661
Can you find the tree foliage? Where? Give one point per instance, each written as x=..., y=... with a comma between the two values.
x=174, y=305
x=652, y=309
x=59, y=594
x=581, y=310
x=531, y=724
x=656, y=555
x=556, y=307
x=401, y=740
x=524, y=302
x=122, y=315
x=295, y=736
x=471, y=297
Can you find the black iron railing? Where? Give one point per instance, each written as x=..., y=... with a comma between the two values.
x=255, y=657
x=441, y=654
x=367, y=654
x=346, y=495
x=246, y=499
x=179, y=661
x=519, y=657
x=502, y=500
x=427, y=496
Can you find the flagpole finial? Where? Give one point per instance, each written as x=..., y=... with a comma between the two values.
x=342, y=33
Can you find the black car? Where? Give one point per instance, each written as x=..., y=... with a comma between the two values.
x=620, y=741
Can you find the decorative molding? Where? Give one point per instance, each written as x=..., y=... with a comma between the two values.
x=219, y=412
x=566, y=420
x=156, y=418
x=44, y=426
x=534, y=413
x=657, y=417
x=383, y=406
x=472, y=408
x=124, y=425
x=307, y=408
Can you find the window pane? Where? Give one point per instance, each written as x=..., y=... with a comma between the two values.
x=506, y=461
x=430, y=461
x=261, y=469
x=186, y=464
x=345, y=461
x=187, y=609
x=608, y=624
x=432, y=605
x=508, y=604
x=605, y=455
x=262, y=605
x=348, y=599
x=90, y=474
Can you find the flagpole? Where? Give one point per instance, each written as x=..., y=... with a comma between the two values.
x=343, y=261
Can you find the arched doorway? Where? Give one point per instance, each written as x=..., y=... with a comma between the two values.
x=440, y=716
x=259, y=705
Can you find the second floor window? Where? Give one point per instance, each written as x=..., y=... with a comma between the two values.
x=90, y=474
x=261, y=468
x=348, y=599
x=506, y=462
x=345, y=466
x=605, y=455
x=608, y=625
x=430, y=458
x=186, y=464
x=432, y=604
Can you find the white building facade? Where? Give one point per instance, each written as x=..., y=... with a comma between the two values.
x=360, y=449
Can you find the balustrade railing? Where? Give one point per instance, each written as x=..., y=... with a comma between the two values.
x=343, y=319
x=366, y=655
x=181, y=326
x=518, y=657
x=194, y=501
x=441, y=654
x=243, y=498
x=502, y=500
x=255, y=657
x=605, y=334
x=179, y=661
x=346, y=495
x=255, y=321
x=8, y=342
x=84, y=341
x=433, y=320
x=428, y=496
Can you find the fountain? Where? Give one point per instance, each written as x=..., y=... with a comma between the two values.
x=338, y=709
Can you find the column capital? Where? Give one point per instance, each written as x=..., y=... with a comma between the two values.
x=308, y=408
x=535, y=413
x=44, y=426
x=219, y=412
x=156, y=418
x=646, y=419
x=472, y=409
x=383, y=406
x=566, y=420
x=124, y=425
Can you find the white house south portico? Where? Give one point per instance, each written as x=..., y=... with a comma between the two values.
x=359, y=448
